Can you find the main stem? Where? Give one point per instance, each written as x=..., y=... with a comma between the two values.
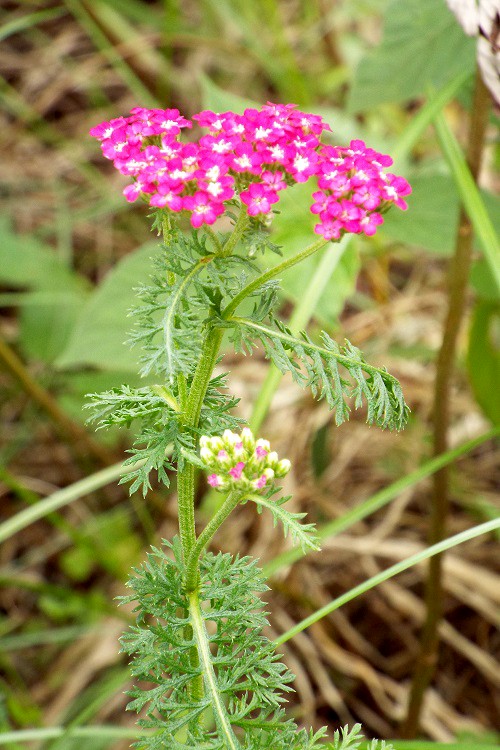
x=191, y=546
x=194, y=403
x=458, y=277
x=185, y=476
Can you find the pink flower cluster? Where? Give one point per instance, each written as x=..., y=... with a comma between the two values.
x=353, y=186
x=253, y=156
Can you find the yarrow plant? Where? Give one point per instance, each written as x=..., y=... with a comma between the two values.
x=217, y=682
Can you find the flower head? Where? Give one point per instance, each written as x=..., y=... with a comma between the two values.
x=250, y=157
x=354, y=190
x=239, y=462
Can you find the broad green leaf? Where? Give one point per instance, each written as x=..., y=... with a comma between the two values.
x=422, y=45
x=45, y=329
x=45, y=323
x=432, y=216
x=483, y=358
x=431, y=219
x=103, y=325
x=26, y=262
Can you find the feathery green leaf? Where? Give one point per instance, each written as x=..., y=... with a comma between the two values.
x=317, y=366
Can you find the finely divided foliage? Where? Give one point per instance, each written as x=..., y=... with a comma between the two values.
x=175, y=304
x=214, y=681
x=246, y=681
x=317, y=367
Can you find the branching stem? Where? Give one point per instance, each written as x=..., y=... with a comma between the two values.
x=236, y=234
x=230, y=503
x=271, y=274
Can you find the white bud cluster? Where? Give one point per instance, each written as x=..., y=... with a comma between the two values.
x=240, y=461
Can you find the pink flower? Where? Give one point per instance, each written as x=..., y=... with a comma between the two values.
x=168, y=195
x=203, y=209
x=106, y=129
x=255, y=156
x=394, y=189
x=237, y=470
x=258, y=198
x=347, y=213
x=370, y=222
x=274, y=180
x=368, y=196
x=214, y=480
x=221, y=189
x=132, y=192
x=330, y=229
x=321, y=203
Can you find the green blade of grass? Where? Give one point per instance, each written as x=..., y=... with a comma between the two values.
x=28, y=21
x=47, y=733
x=261, y=25
x=381, y=498
x=470, y=196
x=431, y=109
x=115, y=59
x=384, y=575
x=112, y=20
x=63, y=497
x=471, y=744
x=44, y=637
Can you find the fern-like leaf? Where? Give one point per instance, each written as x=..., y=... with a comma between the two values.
x=317, y=366
x=188, y=282
x=301, y=533
x=244, y=681
x=347, y=739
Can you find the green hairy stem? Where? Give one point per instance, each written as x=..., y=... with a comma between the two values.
x=217, y=681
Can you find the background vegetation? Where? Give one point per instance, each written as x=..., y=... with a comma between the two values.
x=399, y=75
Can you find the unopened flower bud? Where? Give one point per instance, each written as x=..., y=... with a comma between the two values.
x=237, y=470
x=223, y=459
x=262, y=444
x=206, y=454
x=282, y=467
x=260, y=483
x=230, y=438
x=248, y=439
x=239, y=449
x=216, y=444
x=272, y=459
x=214, y=480
x=241, y=462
